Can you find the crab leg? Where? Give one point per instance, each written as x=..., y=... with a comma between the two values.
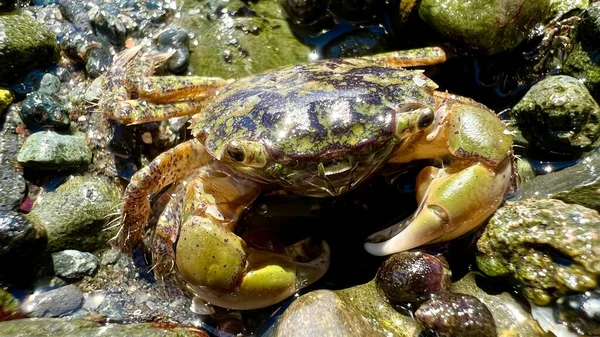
x=463, y=194
x=410, y=58
x=134, y=96
x=165, y=169
x=216, y=264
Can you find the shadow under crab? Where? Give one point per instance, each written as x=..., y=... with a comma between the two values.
x=319, y=130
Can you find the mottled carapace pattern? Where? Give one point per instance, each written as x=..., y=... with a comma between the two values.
x=320, y=110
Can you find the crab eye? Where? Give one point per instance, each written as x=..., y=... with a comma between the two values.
x=247, y=152
x=235, y=151
x=425, y=119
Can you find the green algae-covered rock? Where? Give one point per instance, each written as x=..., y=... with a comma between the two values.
x=44, y=327
x=583, y=62
x=9, y=305
x=25, y=44
x=76, y=213
x=6, y=98
x=530, y=238
x=486, y=25
x=563, y=6
x=47, y=150
x=356, y=311
x=558, y=114
x=233, y=39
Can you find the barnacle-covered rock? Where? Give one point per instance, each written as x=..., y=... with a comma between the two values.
x=550, y=247
x=558, y=114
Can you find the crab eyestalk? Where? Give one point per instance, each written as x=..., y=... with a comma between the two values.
x=463, y=194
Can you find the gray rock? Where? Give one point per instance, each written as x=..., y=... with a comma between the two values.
x=54, y=303
x=12, y=184
x=76, y=213
x=578, y=184
x=45, y=327
x=21, y=245
x=110, y=256
x=73, y=264
x=40, y=109
x=49, y=150
x=486, y=25
x=25, y=45
x=558, y=114
x=50, y=84
x=12, y=187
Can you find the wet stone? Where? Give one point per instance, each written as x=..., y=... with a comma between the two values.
x=108, y=25
x=175, y=40
x=488, y=26
x=53, y=303
x=581, y=312
x=110, y=256
x=578, y=184
x=12, y=188
x=104, y=304
x=49, y=84
x=355, y=311
x=254, y=31
x=21, y=245
x=76, y=213
x=413, y=277
x=73, y=264
x=550, y=248
x=44, y=327
x=98, y=60
x=583, y=62
x=457, y=315
x=510, y=316
x=42, y=110
x=26, y=45
x=559, y=115
x=47, y=150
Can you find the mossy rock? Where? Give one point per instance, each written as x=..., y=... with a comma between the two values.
x=25, y=45
x=76, y=213
x=233, y=39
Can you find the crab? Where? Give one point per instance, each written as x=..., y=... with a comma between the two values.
x=318, y=129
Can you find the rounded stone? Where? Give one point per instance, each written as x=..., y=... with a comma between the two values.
x=412, y=277
x=558, y=114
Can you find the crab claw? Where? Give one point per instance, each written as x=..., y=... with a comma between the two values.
x=454, y=202
x=222, y=269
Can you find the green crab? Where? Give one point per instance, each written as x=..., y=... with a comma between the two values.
x=317, y=129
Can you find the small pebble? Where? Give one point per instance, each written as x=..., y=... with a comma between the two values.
x=412, y=277
x=50, y=84
x=42, y=110
x=457, y=315
x=54, y=303
x=73, y=264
